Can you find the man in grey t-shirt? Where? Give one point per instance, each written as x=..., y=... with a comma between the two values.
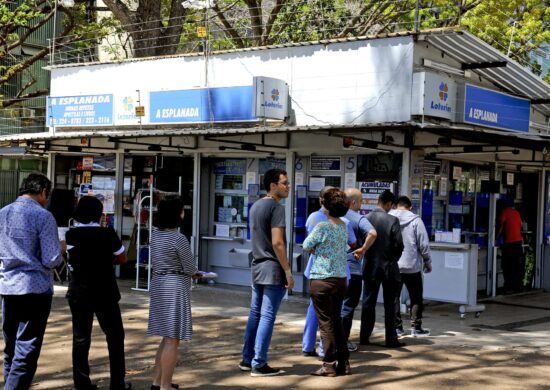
x=271, y=274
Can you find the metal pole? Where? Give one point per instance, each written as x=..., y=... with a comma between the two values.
x=417, y=17
x=52, y=51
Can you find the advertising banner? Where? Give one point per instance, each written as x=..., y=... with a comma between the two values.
x=227, y=104
x=495, y=109
x=85, y=110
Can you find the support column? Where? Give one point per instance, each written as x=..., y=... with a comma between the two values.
x=540, y=239
x=119, y=192
x=51, y=167
x=492, y=269
x=195, y=239
x=289, y=209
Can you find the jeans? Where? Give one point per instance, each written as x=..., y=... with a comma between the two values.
x=264, y=305
x=351, y=300
x=310, y=331
x=413, y=282
x=24, y=324
x=110, y=321
x=368, y=314
x=513, y=265
x=327, y=296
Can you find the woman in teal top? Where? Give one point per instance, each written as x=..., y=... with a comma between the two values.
x=328, y=282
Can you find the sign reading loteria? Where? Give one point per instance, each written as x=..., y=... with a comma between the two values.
x=433, y=95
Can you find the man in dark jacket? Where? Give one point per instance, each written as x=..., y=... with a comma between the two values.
x=381, y=269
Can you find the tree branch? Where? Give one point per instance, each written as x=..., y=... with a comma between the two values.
x=229, y=29
x=271, y=20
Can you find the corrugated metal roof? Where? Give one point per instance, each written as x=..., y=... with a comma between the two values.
x=468, y=49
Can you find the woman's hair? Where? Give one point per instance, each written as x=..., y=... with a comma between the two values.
x=169, y=212
x=89, y=209
x=336, y=202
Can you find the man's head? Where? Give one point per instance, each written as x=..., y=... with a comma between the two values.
x=88, y=210
x=36, y=186
x=322, y=193
x=386, y=200
x=404, y=203
x=276, y=183
x=355, y=198
x=335, y=202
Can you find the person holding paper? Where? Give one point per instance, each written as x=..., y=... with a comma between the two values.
x=415, y=259
x=93, y=290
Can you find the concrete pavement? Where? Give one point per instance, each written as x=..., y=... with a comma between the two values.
x=506, y=347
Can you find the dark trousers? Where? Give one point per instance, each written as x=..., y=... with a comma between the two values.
x=110, y=321
x=351, y=300
x=327, y=296
x=368, y=314
x=24, y=324
x=413, y=282
x=513, y=267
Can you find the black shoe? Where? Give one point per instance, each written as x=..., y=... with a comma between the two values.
x=394, y=344
x=173, y=385
x=310, y=353
x=266, y=371
x=244, y=366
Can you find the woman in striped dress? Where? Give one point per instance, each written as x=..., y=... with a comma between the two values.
x=173, y=269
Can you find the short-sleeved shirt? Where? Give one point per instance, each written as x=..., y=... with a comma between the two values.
x=312, y=221
x=91, y=261
x=511, y=223
x=361, y=226
x=29, y=248
x=329, y=240
x=265, y=215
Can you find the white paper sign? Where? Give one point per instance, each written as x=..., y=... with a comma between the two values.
x=349, y=180
x=299, y=178
x=457, y=173
x=454, y=260
x=222, y=230
x=443, y=186
x=316, y=183
x=250, y=178
x=510, y=179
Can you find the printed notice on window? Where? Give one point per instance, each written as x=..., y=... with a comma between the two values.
x=454, y=260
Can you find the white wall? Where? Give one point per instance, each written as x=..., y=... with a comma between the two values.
x=340, y=83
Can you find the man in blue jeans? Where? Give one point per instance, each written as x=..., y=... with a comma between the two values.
x=29, y=251
x=271, y=274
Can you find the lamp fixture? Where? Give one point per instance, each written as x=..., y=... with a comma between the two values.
x=445, y=68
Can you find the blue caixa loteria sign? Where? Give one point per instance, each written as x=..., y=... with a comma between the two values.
x=495, y=109
x=226, y=104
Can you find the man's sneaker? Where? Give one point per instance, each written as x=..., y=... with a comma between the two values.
x=418, y=331
x=244, y=366
x=400, y=332
x=266, y=371
x=352, y=347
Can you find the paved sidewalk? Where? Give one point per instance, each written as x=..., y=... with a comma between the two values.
x=507, y=347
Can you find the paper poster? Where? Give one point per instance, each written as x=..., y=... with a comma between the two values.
x=349, y=180
x=454, y=260
x=107, y=197
x=299, y=178
x=250, y=178
x=443, y=186
x=87, y=163
x=509, y=179
x=222, y=230
x=316, y=184
x=457, y=173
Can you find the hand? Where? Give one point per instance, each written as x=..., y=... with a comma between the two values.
x=289, y=282
x=427, y=268
x=358, y=253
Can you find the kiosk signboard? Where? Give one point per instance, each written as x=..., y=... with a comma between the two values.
x=495, y=109
x=84, y=110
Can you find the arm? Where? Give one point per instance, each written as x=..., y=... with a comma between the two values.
x=278, y=242
x=423, y=244
x=118, y=249
x=186, y=257
x=397, y=240
x=370, y=236
x=50, y=247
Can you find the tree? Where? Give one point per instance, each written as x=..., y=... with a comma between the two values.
x=21, y=23
x=165, y=27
